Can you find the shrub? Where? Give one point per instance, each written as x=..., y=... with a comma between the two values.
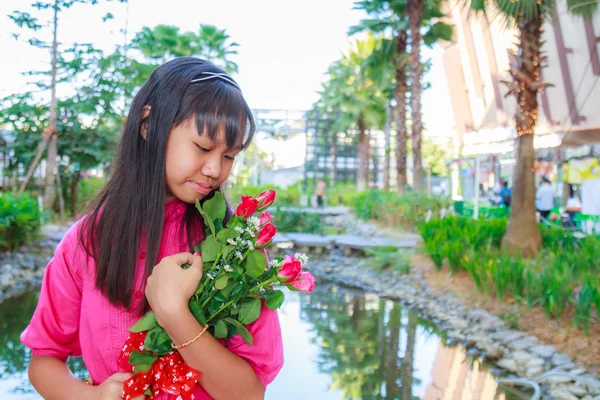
x=87, y=189
x=298, y=221
x=386, y=258
x=20, y=220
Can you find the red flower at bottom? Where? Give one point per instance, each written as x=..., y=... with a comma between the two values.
x=169, y=374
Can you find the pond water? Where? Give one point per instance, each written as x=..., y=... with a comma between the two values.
x=339, y=344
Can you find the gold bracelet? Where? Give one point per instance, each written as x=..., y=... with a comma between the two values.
x=177, y=347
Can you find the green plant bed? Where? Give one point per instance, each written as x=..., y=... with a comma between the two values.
x=566, y=273
x=20, y=220
x=291, y=220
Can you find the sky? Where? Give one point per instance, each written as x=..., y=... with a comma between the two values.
x=284, y=49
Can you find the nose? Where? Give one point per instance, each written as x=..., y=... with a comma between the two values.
x=212, y=166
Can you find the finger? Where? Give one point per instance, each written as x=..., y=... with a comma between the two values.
x=142, y=397
x=181, y=258
x=197, y=263
x=121, y=376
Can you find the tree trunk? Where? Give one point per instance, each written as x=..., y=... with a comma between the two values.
x=523, y=234
x=415, y=16
x=50, y=188
x=407, y=364
x=73, y=183
x=401, y=129
x=363, y=155
x=392, y=370
x=386, y=154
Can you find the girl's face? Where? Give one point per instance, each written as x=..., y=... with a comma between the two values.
x=196, y=164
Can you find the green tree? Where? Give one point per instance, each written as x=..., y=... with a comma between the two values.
x=32, y=24
x=527, y=16
x=361, y=101
x=389, y=18
x=164, y=42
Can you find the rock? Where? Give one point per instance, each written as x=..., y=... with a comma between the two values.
x=578, y=391
x=578, y=371
x=554, y=379
x=562, y=394
x=523, y=343
x=543, y=351
x=560, y=359
x=533, y=372
x=521, y=357
x=535, y=362
x=494, y=353
x=508, y=364
x=507, y=336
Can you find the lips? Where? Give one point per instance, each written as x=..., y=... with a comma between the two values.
x=201, y=188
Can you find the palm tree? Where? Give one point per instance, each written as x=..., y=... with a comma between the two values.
x=421, y=13
x=528, y=16
x=389, y=19
x=360, y=100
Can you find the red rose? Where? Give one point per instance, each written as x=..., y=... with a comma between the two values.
x=305, y=282
x=247, y=207
x=265, y=235
x=265, y=199
x=265, y=218
x=290, y=269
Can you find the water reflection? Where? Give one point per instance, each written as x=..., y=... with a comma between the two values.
x=15, y=313
x=339, y=344
x=371, y=348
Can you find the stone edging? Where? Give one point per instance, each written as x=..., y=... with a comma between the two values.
x=480, y=332
x=22, y=269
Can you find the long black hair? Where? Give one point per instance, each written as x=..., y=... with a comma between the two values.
x=132, y=204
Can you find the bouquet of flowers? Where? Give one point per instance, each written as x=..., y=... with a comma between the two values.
x=236, y=280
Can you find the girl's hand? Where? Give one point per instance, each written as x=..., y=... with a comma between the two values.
x=112, y=387
x=170, y=287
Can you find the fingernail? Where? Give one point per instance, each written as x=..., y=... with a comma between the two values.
x=197, y=253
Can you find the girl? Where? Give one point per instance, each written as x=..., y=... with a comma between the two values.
x=184, y=129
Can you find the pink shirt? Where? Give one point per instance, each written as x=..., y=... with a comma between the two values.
x=73, y=318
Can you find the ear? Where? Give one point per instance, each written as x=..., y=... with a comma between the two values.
x=144, y=127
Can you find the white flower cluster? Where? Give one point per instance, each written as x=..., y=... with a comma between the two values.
x=228, y=268
x=254, y=223
x=303, y=258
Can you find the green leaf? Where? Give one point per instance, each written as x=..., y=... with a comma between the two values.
x=163, y=343
x=215, y=207
x=247, y=336
x=197, y=312
x=274, y=299
x=207, y=219
x=218, y=225
x=209, y=249
x=213, y=306
x=229, y=288
x=226, y=250
x=221, y=283
x=141, y=368
x=256, y=263
x=138, y=358
x=220, y=330
x=147, y=322
x=250, y=311
x=225, y=234
x=148, y=392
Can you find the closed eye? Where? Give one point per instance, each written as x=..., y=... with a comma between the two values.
x=203, y=149
x=230, y=158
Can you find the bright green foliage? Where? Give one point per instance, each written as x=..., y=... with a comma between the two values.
x=20, y=220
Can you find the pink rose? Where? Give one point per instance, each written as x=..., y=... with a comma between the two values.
x=305, y=282
x=265, y=235
x=265, y=199
x=247, y=207
x=290, y=270
x=265, y=218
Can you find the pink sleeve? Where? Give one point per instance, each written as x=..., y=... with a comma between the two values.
x=54, y=327
x=265, y=355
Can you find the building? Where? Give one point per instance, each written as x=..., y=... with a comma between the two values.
x=477, y=62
